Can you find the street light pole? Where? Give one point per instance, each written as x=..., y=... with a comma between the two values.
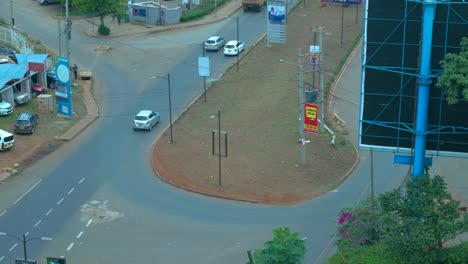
x=237, y=22
x=24, y=241
x=11, y=13
x=170, y=106
x=301, y=104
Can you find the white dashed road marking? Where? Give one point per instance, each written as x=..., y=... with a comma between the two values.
x=50, y=211
x=24, y=194
x=79, y=235
x=2, y=258
x=3, y=213
x=70, y=246
x=27, y=233
x=38, y=222
x=89, y=222
x=60, y=201
x=71, y=190
x=81, y=180
x=13, y=247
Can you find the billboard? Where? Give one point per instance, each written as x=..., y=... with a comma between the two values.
x=276, y=21
x=389, y=83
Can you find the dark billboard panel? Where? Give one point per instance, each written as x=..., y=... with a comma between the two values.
x=391, y=56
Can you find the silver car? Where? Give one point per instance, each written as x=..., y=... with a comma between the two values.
x=214, y=43
x=5, y=108
x=21, y=97
x=146, y=119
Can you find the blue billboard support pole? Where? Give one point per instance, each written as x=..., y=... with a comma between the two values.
x=424, y=83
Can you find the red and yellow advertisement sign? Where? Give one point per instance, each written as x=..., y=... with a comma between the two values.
x=310, y=118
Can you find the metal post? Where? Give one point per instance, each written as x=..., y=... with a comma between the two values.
x=301, y=104
x=313, y=76
x=11, y=13
x=251, y=260
x=372, y=176
x=24, y=248
x=216, y=3
x=67, y=32
x=237, y=22
x=59, y=37
x=322, y=86
x=219, y=148
x=170, y=105
x=204, y=77
x=424, y=83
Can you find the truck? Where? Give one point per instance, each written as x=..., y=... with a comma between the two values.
x=256, y=5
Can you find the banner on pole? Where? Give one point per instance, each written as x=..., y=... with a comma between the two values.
x=310, y=118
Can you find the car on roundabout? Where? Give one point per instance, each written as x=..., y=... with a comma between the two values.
x=214, y=43
x=233, y=47
x=146, y=120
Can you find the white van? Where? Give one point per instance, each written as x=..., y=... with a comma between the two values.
x=7, y=140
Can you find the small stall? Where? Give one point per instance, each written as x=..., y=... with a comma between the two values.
x=153, y=13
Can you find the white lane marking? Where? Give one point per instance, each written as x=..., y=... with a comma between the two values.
x=70, y=246
x=50, y=211
x=3, y=213
x=104, y=202
x=13, y=247
x=24, y=194
x=60, y=201
x=81, y=180
x=27, y=233
x=79, y=235
x=38, y=222
x=89, y=222
x=71, y=190
x=2, y=258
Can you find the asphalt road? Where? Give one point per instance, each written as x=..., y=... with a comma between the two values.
x=109, y=162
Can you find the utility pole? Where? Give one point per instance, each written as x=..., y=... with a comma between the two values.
x=204, y=77
x=59, y=37
x=11, y=13
x=322, y=88
x=67, y=32
x=301, y=105
x=237, y=22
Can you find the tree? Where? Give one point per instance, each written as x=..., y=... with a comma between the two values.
x=455, y=76
x=102, y=8
x=420, y=219
x=285, y=248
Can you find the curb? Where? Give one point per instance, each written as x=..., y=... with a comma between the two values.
x=153, y=167
x=166, y=28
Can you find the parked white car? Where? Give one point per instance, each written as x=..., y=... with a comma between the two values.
x=146, y=119
x=233, y=47
x=5, y=108
x=7, y=140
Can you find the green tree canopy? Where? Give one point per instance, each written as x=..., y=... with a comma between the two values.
x=455, y=76
x=101, y=8
x=285, y=248
x=420, y=218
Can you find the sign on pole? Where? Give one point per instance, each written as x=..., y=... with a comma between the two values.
x=63, y=89
x=204, y=66
x=310, y=118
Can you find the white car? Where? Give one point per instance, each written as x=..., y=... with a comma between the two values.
x=5, y=108
x=233, y=47
x=146, y=119
x=214, y=43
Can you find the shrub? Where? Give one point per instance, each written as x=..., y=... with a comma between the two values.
x=103, y=30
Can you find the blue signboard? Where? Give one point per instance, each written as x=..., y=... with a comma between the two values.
x=63, y=90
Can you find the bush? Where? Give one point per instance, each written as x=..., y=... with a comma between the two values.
x=374, y=254
x=202, y=10
x=103, y=30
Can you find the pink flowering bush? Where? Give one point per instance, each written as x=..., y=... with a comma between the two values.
x=359, y=226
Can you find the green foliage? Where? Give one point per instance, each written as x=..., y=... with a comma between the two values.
x=454, y=80
x=419, y=220
x=285, y=248
x=359, y=226
x=101, y=8
x=207, y=7
x=103, y=30
x=374, y=254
